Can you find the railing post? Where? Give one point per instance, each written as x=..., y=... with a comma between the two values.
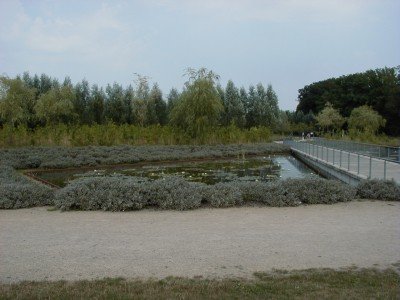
x=398, y=154
x=370, y=167
x=322, y=153
x=358, y=164
x=333, y=158
x=348, y=161
x=384, y=170
x=340, y=160
x=327, y=154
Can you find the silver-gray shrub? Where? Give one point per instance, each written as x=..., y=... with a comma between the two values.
x=222, y=195
x=17, y=191
x=120, y=193
x=292, y=192
x=273, y=193
x=387, y=190
x=63, y=157
x=314, y=190
x=173, y=192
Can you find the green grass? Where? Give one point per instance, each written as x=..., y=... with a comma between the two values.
x=309, y=284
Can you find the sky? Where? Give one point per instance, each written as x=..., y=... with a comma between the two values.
x=287, y=43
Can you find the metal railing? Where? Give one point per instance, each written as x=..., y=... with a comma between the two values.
x=378, y=151
x=361, y=165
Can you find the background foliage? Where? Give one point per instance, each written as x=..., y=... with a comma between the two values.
x=379, y=89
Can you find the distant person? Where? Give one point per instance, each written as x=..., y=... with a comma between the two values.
x=302, y=135
x=308, y=136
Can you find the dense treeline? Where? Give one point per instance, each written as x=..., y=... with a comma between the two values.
x=39, y=101
x=379, y=89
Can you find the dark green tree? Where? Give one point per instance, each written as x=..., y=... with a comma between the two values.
x=156, y=107
x=114, y=106
x=173, y=98
x=96, y=105
x=82, y=96
x=233, y=107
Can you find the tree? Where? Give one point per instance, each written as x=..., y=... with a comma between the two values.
x=233, y=107
x=273, y=113
x=156, y=107
x=139, y=105
x=244, y=100
x=200, y=103
x=16, y=101
x=114, y=106
x=56, y=106
x=379, y=88
x=251, y=116
x=365, y=119
x=96, y=105
x=173, y=98
x=330, y=118
x=129, y=96
x=46, y=83
x=82, y=95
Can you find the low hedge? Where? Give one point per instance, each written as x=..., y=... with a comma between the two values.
x=17, y=191
x=64, y=157
x=118, y=193
x=128, y=193
x=379, y=189
x=122, y=193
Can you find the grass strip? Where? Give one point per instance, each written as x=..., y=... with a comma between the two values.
x=308, y=284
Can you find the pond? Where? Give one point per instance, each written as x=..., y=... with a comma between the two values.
x=257, y=168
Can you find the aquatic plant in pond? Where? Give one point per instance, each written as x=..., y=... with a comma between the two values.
x=260, y=168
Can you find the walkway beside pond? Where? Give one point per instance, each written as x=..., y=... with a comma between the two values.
x=37, y=244
x=357, y=165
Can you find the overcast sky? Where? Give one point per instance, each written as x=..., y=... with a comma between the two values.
x=286, y=43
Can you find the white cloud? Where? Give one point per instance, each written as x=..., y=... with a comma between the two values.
x=271, y=10
x=97, y=37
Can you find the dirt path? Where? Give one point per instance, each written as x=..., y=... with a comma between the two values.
x=36, y=244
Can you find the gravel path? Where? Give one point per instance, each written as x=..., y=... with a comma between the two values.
x=36, y=244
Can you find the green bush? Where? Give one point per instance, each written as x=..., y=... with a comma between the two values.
x=320, y=191
x=119, y=193
x=292, y=192
x=222, y=195
x=64, y=157
x=173, y=193
x=17, y=191
x=379, y=189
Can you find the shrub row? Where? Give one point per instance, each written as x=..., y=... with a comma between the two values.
x=64, y=157
x=17, y=191
x=379, y=190
x=127, y=193
x=122, y=193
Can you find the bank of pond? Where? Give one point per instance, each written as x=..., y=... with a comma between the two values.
x=127, y=178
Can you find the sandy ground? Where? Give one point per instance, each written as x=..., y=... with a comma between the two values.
x=36, y=244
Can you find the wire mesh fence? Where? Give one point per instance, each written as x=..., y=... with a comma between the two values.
x=383, y=152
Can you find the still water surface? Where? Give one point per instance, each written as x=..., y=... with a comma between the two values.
x=258, y=168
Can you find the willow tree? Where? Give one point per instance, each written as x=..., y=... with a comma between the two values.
x=200, y=105
x=16, y=101
x=57, y=106
x=330, y=118
x=365, y=119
